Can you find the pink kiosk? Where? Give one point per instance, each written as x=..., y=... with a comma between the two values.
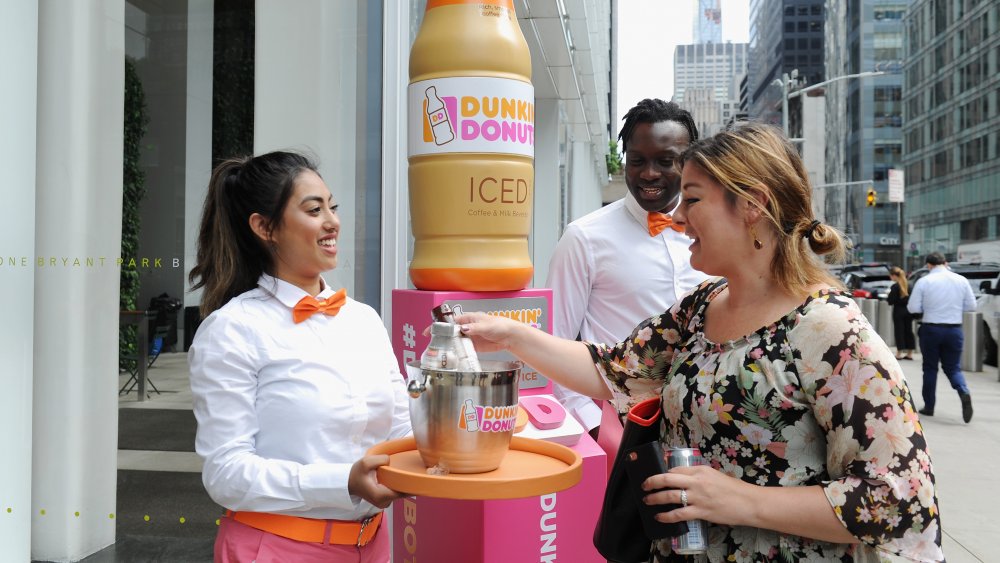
x=557, y=526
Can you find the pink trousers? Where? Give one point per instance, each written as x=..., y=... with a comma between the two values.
x=238, y=543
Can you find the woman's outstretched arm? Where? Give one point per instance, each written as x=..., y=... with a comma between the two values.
x=566, y=362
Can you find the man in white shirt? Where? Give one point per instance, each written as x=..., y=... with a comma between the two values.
x=942, y=296
x=624, y=263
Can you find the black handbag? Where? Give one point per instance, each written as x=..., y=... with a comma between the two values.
x=619, y=535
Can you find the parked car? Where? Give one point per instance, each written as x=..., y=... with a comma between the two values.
x=869, y=280
x=984, y=278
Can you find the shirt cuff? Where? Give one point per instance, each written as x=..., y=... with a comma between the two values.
x=589, y=415
x=325, y=485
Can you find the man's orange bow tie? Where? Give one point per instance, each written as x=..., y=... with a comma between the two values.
x=309, y=305
x=659, y=221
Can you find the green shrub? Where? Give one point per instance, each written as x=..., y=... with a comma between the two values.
x=133, y=190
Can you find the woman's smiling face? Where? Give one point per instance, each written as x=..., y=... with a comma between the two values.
x=306, y=240
x=719, y=233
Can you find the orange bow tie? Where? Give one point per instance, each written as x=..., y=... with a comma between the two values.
x=309, y=305
x=659, y=221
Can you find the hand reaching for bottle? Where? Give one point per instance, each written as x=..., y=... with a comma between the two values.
x=490, y=333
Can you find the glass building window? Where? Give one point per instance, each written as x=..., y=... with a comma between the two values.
x=942, y=9
x=888, y=46
x=974, y=229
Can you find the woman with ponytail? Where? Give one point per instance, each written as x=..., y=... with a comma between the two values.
x=813, y=450
x=902, y=320
x=292, y=380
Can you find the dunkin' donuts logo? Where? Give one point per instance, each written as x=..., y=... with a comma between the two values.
x=478, y=418
x=488, y=118
x=471, y=114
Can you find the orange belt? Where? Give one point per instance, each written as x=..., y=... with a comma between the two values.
x=340, y=532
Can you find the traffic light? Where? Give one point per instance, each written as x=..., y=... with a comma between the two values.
x=870, y=199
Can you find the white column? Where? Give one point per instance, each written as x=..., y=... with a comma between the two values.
x=396, y=236
x=545, y=228
x=78, y=201
x=305, y=97
x=198, y=132
x=583, y=182
x=18, y=65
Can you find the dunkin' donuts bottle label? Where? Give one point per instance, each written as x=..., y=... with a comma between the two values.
x=492, y=115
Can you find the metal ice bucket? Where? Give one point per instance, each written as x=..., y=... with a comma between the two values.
x=463, y=421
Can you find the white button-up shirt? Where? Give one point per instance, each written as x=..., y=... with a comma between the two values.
x=607, y=275
x=942, y=296
x=285, y=409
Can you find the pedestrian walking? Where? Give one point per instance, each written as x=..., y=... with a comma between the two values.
x=902, y=320
x=941, y=296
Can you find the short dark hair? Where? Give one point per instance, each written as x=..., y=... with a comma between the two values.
x=655, y=110
x=935, y=259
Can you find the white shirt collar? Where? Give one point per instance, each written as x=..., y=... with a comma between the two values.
x=289, y=294
x=636, y=210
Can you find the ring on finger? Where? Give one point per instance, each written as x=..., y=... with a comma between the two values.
x=684, y=497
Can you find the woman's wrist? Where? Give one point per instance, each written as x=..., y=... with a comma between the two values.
x=751, y=499
x=517, y=336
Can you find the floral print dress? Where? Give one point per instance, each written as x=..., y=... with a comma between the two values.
x=816, y=398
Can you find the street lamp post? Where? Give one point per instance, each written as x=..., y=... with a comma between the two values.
x=788, y=79
x=785, y=82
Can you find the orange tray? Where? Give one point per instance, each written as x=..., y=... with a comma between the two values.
x=530, y=468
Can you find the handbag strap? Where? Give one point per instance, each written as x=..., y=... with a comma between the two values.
x=645, y=413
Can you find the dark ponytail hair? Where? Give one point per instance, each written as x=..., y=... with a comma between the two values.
x=231, y=257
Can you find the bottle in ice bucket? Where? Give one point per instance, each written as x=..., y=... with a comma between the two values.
x=695, y=540
x=470, y=125
x=443, y=314
x=446, y=352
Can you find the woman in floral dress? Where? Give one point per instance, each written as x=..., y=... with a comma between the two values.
x=814, y=451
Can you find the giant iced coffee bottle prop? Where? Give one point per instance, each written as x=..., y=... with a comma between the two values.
x=471, y=148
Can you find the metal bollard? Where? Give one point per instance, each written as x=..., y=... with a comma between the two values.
x=869, y=308
x=973, y=348
x=885, y=324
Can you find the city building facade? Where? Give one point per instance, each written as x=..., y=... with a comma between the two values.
x=708, y=22
x=785, y=35
x=951, y=104
x=704, y=82
x=864, y=120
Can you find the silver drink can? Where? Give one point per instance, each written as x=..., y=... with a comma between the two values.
x=695, y=540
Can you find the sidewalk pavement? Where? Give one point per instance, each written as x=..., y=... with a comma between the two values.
x=966, y=457
x=966, y=461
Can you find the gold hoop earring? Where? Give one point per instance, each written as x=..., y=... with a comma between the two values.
x=756, y=242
